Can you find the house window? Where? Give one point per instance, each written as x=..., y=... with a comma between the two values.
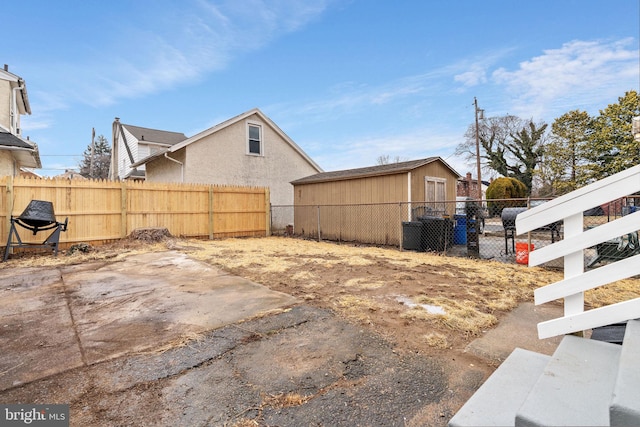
x=435, y=193
x=254, y=144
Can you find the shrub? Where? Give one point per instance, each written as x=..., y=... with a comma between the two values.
x=500, y=190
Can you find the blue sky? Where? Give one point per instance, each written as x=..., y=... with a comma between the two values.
x=347, y=80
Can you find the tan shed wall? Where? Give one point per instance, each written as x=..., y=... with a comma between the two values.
x=353, y=223
x=379, y=199
x=437, y=170
x=380, y=189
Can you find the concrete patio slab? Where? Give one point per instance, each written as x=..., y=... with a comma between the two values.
x=99, y=311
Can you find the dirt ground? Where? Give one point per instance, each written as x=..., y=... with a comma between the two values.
x=376, y=337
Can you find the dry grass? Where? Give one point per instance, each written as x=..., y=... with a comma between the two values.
x=463, y=316
x=354, y=280
x=185, y=340
x=284, y=400
x=357, y=308
x=361, y=283
x=436, y=340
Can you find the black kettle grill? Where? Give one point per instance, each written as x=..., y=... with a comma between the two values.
x=38, y=216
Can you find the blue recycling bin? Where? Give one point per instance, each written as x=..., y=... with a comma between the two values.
x=460, y=230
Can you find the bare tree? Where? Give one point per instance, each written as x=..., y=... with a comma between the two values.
x=386, y=159
x=510, y=146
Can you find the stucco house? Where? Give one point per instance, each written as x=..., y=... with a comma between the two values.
x=133, y=143
x=246, y=150
x=15, y=151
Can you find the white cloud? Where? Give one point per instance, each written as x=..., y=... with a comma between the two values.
x=579, y=74
x=352, y=98
x=477, y=75
x=361, y=151
x=473, y=72
x=145, y=55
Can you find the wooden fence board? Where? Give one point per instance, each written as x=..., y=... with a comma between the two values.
x=100, y=211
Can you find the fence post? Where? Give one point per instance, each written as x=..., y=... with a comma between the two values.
x=10, y=199
x=574, y=266
x=211, y=212
x=400, y=225
x=123, y=209
x=319, y=236
x=267, y=211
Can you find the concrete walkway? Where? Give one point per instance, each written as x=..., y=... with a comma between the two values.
x=518, y=329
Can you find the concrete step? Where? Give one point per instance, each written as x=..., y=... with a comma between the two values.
x=625, y=403
x=497, y=400
x=575, y=388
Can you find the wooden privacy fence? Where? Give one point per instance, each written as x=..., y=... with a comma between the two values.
x=102, y=211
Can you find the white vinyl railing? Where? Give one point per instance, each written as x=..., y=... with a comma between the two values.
x=570, y=208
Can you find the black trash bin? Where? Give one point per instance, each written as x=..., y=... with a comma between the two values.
x=437, y=233
x=412, y=236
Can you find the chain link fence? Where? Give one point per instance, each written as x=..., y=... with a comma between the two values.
x=455, y=228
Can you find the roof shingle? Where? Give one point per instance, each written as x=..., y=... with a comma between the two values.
x=9, y=140
x=155, y=135
x=388, y=169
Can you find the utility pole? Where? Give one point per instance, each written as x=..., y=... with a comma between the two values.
x=93, y=137
x=480, y=113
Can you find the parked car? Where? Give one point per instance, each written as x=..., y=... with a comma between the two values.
x=597, y=211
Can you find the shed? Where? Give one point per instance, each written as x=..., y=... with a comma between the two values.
x=387, y=194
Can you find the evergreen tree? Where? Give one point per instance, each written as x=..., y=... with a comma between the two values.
x=564, y=156
x=101, y=160
x=612, y=147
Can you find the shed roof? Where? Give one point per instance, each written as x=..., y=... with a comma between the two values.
x=388, y=169
x=155, y=135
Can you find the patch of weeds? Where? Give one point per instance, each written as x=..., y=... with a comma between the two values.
x=437, y=340
x=284, y=400
x=84, y=248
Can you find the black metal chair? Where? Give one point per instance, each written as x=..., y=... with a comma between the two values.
x=38, y=216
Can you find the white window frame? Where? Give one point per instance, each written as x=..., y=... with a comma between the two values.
x=261, y=140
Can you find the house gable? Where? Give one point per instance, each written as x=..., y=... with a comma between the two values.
x=133, y=143
x=258, y=117
x=14, y=101
x=224, y=155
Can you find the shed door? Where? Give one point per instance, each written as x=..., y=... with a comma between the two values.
x=435, y=193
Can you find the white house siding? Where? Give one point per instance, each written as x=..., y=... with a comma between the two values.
x=5, y=104
x=123, y=155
